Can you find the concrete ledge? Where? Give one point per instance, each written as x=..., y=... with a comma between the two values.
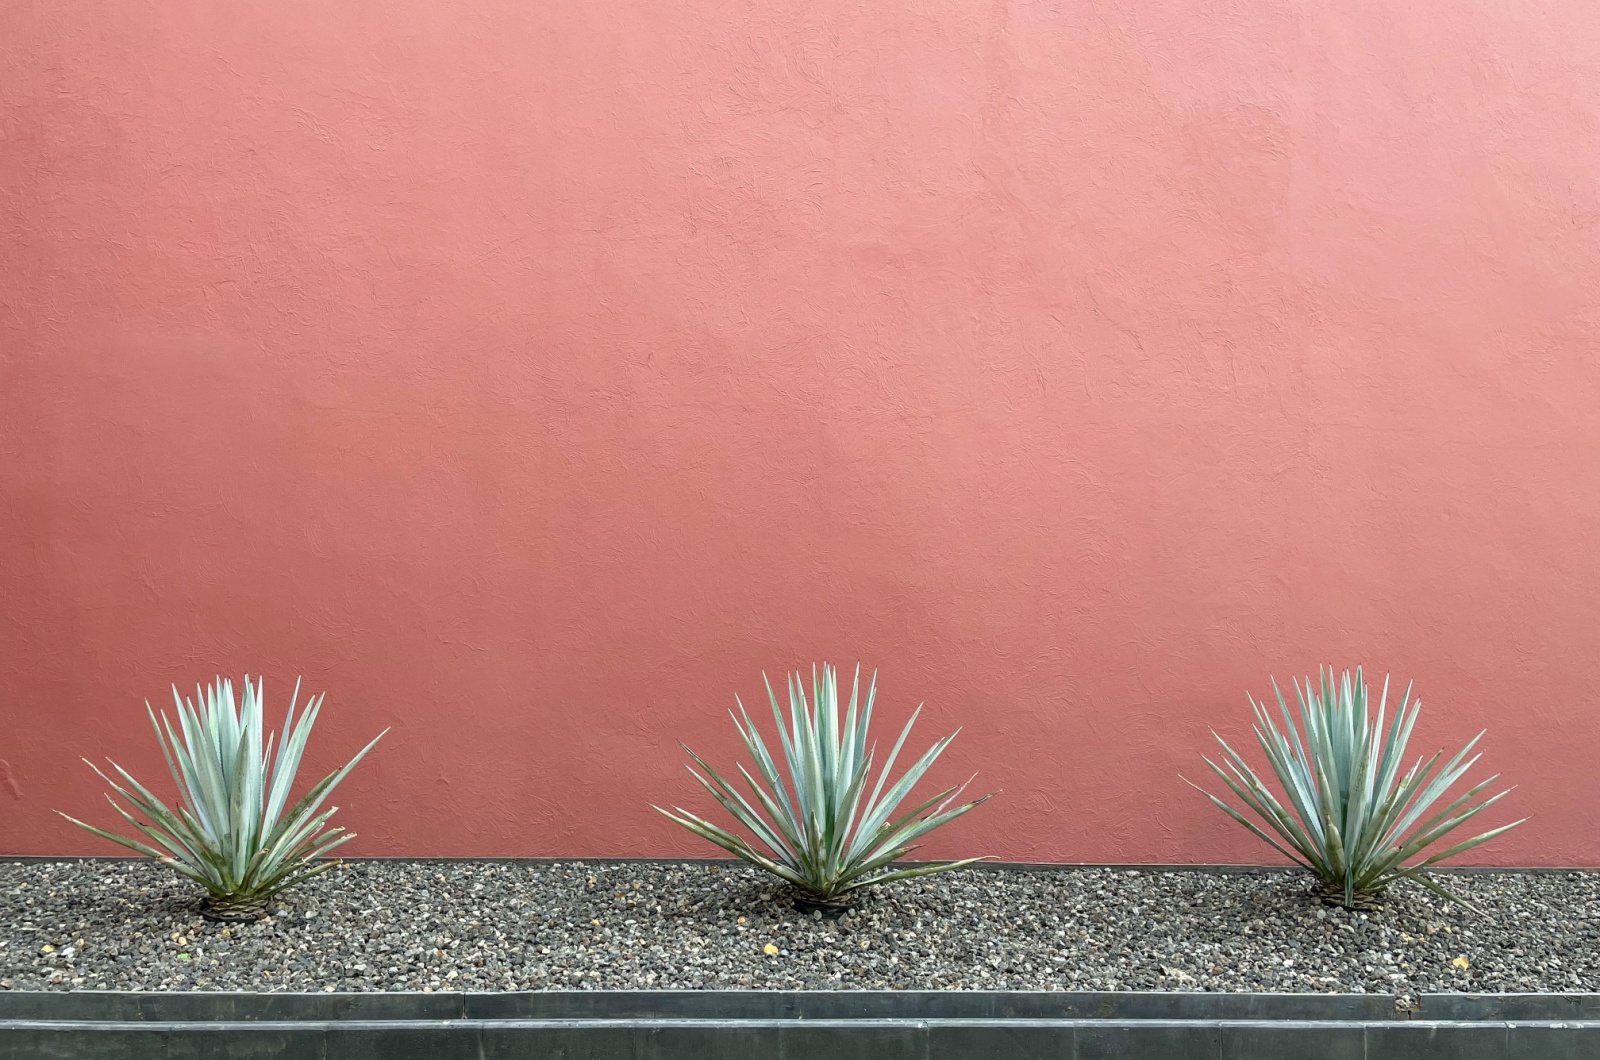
x=802, y=1025
x=1018, y=1039
x=202, y=1006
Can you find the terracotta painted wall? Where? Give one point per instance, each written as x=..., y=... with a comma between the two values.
x=531, y=375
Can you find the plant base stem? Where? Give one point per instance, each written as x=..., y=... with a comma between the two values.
x=1362, y=903
x=830, y=909
x=232, y=910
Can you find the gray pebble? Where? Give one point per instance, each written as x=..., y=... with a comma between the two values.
x=406, y=925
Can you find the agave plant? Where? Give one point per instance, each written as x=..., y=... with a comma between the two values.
x=1353, y=819
x=824, y=832
x=231, y=831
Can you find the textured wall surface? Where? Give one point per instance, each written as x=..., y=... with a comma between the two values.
x=530, y=376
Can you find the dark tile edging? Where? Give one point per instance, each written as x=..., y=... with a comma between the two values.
x=803, y=1040
x=203, y=1006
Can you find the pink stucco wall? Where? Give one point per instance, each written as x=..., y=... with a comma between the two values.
x=530, y=375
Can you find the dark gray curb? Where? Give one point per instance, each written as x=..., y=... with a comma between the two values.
x=208, y=1006
x=809, y=1025
x=802, y=1040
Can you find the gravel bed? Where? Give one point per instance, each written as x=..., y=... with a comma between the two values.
x=407, y=925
